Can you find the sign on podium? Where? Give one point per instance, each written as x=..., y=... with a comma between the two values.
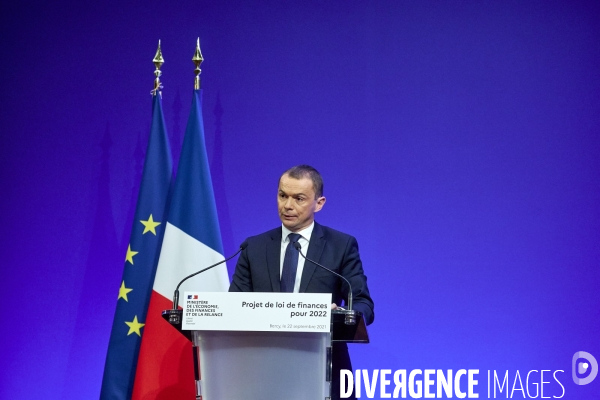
x=258, y=312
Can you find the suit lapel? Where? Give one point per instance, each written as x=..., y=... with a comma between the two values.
x=273, y=262
x=315, y=249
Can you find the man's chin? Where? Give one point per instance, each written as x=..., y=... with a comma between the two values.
x=290, y=224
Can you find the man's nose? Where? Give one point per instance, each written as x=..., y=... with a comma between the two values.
x=288, y=203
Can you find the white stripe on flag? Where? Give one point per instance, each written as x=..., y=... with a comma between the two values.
x=182, y=255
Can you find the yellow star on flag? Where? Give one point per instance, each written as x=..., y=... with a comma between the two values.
x=134, y=326
x=150, y=225
x=130, y=254
x=123, y=291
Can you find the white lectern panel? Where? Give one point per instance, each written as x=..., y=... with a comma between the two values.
x=262, y=365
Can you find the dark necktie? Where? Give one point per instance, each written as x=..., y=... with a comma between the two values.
x=290, y=264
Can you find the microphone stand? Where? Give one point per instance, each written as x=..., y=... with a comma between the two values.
x=175, y=314
x=350, y=314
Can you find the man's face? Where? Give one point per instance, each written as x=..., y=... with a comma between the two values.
x=296, y=202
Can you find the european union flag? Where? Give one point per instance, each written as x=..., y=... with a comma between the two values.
x=140, y=262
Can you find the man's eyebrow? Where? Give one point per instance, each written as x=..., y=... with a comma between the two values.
x=280, y=191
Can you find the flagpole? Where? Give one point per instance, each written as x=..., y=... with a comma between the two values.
x=158, y=62
x=197, y=59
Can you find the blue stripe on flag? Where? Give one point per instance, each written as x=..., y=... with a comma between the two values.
x=194, y=210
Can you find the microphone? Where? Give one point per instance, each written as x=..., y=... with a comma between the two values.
x=174, y=317
x=350, y=313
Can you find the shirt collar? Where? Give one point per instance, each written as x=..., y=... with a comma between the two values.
x=305, y=233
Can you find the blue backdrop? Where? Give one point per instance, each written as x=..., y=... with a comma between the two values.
x=459, y=142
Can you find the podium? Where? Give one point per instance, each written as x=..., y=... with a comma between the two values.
x=237, y=358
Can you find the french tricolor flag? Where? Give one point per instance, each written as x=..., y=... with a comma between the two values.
x=192, y=241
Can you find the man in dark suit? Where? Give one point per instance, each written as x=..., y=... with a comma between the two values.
x=270, y=262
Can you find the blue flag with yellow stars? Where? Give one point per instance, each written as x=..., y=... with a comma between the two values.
x=140, y=262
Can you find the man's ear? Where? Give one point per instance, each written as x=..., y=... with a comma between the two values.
x=320, y=203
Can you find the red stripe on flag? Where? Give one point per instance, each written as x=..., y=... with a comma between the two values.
x=165, y=369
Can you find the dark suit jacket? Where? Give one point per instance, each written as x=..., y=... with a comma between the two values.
x=258, y=267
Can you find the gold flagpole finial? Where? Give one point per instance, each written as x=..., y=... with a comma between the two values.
x=197, y=59
x=158, y=62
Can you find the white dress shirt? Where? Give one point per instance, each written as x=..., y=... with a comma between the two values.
x=304, y=241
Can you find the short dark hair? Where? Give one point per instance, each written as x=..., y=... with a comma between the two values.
x=306, y=171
